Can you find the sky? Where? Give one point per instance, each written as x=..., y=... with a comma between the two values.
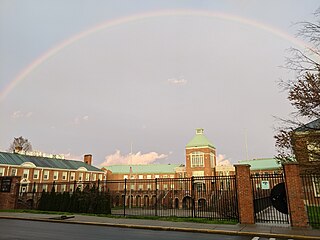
x=114, y=77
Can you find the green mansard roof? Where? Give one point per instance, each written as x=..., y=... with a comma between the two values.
x=262, y=164
x=44, y=162
x=147, y=168
x=199, y=140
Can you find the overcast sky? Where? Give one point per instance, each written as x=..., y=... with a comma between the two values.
x=81, y=77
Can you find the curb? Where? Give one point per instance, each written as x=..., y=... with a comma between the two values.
x=209, y=231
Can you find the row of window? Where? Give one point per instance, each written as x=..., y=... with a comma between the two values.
x=197, y=159
x=56, y=174
x=148, y=176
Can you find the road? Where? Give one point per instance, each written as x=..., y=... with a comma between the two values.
x=33, y=230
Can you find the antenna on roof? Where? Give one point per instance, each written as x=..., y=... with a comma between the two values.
x=246, y=143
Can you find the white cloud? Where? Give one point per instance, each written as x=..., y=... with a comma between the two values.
x=134, y=159
x=79, y=119
x=222, y=160
x=21, y=114
x=177, y=81
x=72, y=156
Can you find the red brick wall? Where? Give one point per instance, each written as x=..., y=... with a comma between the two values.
x=8, y=200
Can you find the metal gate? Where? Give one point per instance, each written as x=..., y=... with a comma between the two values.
x=269, y=198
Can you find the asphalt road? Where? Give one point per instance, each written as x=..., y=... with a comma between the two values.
x=33, y=230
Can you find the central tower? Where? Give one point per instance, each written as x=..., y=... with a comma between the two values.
x=200, y=156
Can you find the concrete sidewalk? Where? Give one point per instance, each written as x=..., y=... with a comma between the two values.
x=238, y=229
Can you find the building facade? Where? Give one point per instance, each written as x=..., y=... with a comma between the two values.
x=44, y=170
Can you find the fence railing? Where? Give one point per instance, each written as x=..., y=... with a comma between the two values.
x=311, y=189
x=211, y=197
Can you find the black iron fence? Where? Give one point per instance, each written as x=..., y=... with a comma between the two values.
x=269, y=198
x=202, y=197
x=311, y=189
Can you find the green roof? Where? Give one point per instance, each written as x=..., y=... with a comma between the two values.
x=262, y=164
x=147, y=168
x=44, y=162
x=199, y=140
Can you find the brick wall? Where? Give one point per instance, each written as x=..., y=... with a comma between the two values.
x=8, y=200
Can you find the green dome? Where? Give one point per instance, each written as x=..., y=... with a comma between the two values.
x=199, y=140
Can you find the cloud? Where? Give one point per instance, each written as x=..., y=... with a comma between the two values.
x=71, y=156
x=223, y=161
x=77, y=120
x=21, y=114
x=177, y=81
x=134, y=159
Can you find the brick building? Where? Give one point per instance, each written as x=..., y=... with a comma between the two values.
x=45, y=170
x=305, y=141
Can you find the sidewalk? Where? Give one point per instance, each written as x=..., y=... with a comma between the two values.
x=238, y=229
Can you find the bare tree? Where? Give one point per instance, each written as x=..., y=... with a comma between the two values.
x=303, y=94
x=20, y=144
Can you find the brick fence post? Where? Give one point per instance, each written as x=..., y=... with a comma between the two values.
x=8, y=200
x=244, y=194
x=297, y=210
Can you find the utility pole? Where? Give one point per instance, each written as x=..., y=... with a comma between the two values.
x=130, y=176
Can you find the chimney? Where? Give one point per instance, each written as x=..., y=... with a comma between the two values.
x=87, y=159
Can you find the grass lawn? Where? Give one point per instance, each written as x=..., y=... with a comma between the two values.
x=314, y=216
x=172, y=219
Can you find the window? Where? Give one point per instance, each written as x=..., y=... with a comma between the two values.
x=313, y=151
x=165, y=176
x=198, y=173
x=1, y=171
x=36, y=174
x=80, y=176
x=212, y=160
x=140, y=186
x=316, y=185
x=63, y=188
x=55, y=175
x=87, y=176
x=140, y=176
x=13, y=172
x=172, y=186
x=197, y=159
x=45, y=187
x=165, y=186
x=72, y=176
x=100, y=176
x=148, y=176
x=125, y=177
x=64, y=175
x=149, y=187
x=156, y=176
x=46, y=175
x=25, y=173
x=94, y=177
x=132, y=186
x=171, y=176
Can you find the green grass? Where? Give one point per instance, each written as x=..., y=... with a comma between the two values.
x=314, y=216
x=171, y=219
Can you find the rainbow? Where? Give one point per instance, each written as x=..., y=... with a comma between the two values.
x=143, y=16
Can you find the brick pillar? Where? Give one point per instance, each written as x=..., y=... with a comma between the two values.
x=297, y=210
x=244, y=194
x=8, y=200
